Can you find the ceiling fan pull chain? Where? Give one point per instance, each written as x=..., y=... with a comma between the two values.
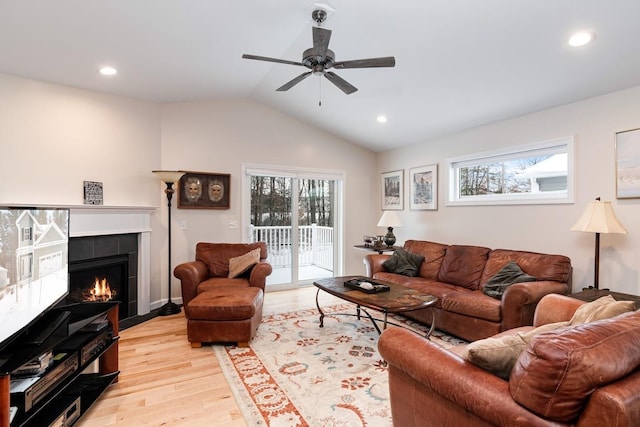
x=320, y=92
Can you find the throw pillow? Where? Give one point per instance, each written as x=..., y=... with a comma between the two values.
x=499, y=355
x=403, y=262
x=242, y=263
x=508, y=275
x=602, y=308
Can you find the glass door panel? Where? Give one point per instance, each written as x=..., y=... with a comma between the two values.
x=300, y=247
x=315, y=228
x=271, y=218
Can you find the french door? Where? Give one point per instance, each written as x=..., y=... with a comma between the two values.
x=297, y=214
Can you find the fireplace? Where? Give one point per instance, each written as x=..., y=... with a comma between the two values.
x=104, y=268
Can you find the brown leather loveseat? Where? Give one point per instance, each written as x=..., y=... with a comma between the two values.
x=586, y=375
x=457, y=274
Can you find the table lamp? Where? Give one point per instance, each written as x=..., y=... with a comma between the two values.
x=598, y=218
x=389, y=219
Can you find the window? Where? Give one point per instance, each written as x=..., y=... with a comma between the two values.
x=536, y=173
x=27, y=233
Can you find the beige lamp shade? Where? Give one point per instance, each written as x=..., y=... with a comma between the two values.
x=169, y=177
x=599, y=217
x=389, y=219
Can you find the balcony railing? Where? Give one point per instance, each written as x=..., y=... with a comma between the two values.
x=315, y=245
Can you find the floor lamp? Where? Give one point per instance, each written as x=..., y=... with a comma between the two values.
x=169, y=178
x=598, y=218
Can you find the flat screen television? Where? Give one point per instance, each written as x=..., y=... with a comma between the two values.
x=33, y=266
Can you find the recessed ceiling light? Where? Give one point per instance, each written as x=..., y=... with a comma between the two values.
x=381, y=119
x=108, y=71
x=582, y=38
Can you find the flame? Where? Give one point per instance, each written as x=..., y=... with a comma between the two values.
x=101, y=291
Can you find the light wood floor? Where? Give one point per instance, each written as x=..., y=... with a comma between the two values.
x=165, y=382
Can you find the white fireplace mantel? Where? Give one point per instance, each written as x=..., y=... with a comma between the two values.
x=96, y=221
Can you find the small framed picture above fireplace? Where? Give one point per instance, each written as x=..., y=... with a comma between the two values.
x=202, y=190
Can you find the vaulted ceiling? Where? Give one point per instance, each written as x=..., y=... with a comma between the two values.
x=459, y=63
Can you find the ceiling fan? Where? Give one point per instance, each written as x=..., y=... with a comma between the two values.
x=319, y=59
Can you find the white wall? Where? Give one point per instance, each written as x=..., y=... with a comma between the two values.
x=219, y=136
x=55, y=137
x=540, y=228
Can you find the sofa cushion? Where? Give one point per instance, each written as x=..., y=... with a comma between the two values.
x=221, y=282
x=498, y=354
x=403, y=262
x=240, y=264
x=555, y=376
x=433, y=254
x=463, y=265
x=556, y=268
x=508, y=275
x=474, y=304
x=602, y=308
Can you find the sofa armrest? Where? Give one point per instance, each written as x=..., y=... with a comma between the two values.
x=554, y=308
x=614, y=405
x=520, y=300
x=373, y=263
x=191, y=274
x=467, y=387
x=259, y=273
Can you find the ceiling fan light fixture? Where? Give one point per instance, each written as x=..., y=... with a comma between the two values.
x=581, y=38
x=320, y=59
x=381, y=118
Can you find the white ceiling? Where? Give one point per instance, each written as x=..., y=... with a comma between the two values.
x=459, y=63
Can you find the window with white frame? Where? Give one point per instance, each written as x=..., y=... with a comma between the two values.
x=535, y=173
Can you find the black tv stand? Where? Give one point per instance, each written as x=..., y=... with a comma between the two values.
x=69, y=386
x=54, y=323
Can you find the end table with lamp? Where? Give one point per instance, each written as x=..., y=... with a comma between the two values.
x=597, y=218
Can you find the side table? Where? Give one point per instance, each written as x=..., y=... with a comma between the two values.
x=592, y=294
x=379, y=249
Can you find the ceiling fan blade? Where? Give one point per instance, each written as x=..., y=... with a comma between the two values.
x=294, y=82
x=342, y=84
x=321, y=37
x=387, y=61
x=264, y=58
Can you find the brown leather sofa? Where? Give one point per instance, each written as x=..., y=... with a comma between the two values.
x=584, y=375
x=456, y=275
x=219, y=308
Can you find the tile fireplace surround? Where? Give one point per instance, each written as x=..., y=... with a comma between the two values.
x=101, y=221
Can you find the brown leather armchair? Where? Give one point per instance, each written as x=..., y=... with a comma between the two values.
x=219, y=308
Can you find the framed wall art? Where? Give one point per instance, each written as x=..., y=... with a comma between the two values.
x=423, y=189
x=201, y=190
x=93, y=193
x=628, y=164
x=392, y=186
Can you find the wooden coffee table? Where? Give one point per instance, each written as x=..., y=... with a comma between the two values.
x=398, y=299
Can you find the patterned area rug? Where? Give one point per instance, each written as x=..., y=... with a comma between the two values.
x=297, y=374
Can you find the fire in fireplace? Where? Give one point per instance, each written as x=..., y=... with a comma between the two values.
x=100, y=291
x=100, y=279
